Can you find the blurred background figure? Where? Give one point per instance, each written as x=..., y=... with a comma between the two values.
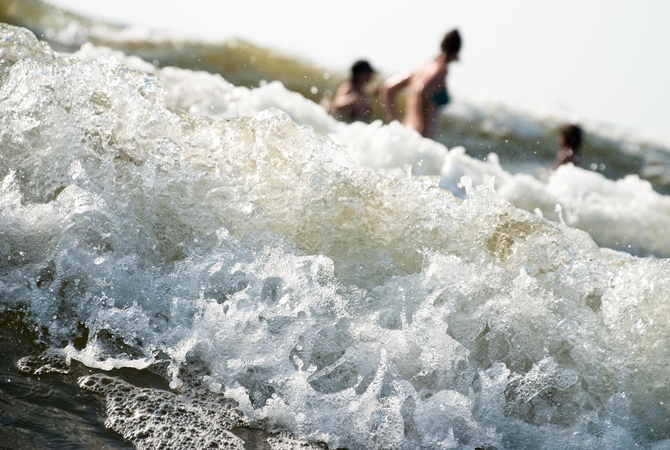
x=426, y=89
x=570, y=141
x=351, y=101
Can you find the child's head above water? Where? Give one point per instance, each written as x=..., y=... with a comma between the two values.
x=570, y=136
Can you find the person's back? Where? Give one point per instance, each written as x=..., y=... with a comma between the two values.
x=570, y=141
x=419, y=109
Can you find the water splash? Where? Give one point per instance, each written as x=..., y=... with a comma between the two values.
x=258, y=259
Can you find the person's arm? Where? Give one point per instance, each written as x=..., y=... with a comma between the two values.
x=389, y=90
x=565, y=155
x=344, y=96
x=416, y=108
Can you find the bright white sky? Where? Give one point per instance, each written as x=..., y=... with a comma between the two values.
x=596, y=59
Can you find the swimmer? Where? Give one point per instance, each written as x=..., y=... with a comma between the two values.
x=426, y=89
x=351, y=102
x=570, y=141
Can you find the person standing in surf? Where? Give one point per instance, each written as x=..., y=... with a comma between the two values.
x=351, y=101
x=426, y=89
x=570, y=141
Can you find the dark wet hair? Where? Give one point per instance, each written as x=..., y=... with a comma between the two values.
x=451, y=44
x=571, y=135
x=359, y=67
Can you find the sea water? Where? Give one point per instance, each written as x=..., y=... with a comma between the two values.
x=205, y=259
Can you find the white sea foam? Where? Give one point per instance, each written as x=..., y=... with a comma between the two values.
x=316, y=273
x=614, y=212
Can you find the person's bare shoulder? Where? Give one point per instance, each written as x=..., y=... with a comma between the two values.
x=429, y=72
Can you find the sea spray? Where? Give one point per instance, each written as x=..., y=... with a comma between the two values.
x=272, y=280
x=625, y=214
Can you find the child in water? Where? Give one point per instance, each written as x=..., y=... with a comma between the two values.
x=351, y=102
x=426, y=88
x=570, y=141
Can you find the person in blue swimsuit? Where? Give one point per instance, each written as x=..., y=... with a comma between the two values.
x=426, y=89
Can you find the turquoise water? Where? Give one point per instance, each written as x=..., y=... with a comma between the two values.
x=190, y=261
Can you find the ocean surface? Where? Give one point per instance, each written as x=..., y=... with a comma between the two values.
x=195, y=254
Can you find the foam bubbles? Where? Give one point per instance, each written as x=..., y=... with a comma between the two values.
x=140, y=415
x=280, y=278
